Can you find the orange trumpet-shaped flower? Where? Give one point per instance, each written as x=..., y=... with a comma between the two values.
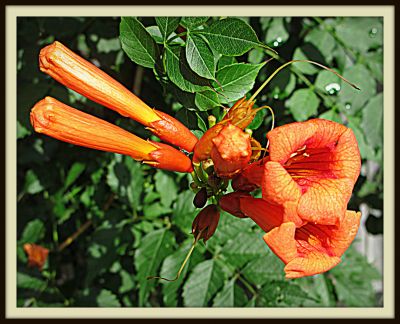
x=37, y=255
x=206, y=222
x=55, y=119
x=306, y=250
x=312, y=164
x=85, y=78
x=231, y=151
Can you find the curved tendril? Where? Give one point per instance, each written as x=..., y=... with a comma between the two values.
x=303, y=61
x=183, y=264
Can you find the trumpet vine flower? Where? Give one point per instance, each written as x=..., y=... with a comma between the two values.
x=308, y=249
x=76, y=73
x=315, y=165
x=53, y=118
x=37, y=255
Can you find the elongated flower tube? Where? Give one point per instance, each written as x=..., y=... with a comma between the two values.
x=306, y=250
x=251, y=176
x=313, y=164
x=53, y=118
x=85, y=78
x=231, y=203
x=231, y=151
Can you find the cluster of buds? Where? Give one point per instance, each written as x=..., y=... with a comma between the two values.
x=306, y=178
x=53, y=118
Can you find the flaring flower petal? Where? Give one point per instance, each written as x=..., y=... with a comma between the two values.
x=312, y=249
x=323, y=162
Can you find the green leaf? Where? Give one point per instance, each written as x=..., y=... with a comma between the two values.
x=32, y=183
x=366, y=151
x=180, y=73
x=127, y=283
x=328, y=82
x=243, y=247
x=22, y=131
x=206, y=100
x=276, y=33
x=353, y=280
x=282, y=293
x=76, y=170
x=226, y=60
x=27, y=282
x=204, y=281
x=166, y=187
x=154, y=210
x=236, y=80
x=33, y=232
x=230, y=296
x=170, y=268
x=108, y=45
x=323, y=41
x=184, y=211
x=167, y=25
x=154, y=247
x=107, y=299
x=303, y=104
x=231, y=36
x=283, y=84
x=306, y=68
x=353, y=100
x=258, y=120
x=267, y=266
x=360, y=33
x=200, y=57
x=125, y=178
x=331, y=115
x=138, y=43
x=372, y=121
x=192, y=22
x=374, y=61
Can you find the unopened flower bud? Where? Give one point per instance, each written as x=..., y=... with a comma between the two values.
x=206, y=222
x=200, y=198
x=231, y=151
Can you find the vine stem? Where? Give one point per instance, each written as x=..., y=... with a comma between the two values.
x=71, y=238
x=294, y=61
x=183, y=264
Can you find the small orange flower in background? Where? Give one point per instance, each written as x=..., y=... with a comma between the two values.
x=76, y=73
x=51, y=117
x=37, y=255
x=306, y=250
x=314, y=164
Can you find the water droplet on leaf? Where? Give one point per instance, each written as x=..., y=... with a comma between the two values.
x=347, y=106
x=373, y=32
x=332, y=88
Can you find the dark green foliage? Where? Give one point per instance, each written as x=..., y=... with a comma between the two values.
x=140, y=218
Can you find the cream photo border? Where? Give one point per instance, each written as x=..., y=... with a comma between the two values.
x=11, y=14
